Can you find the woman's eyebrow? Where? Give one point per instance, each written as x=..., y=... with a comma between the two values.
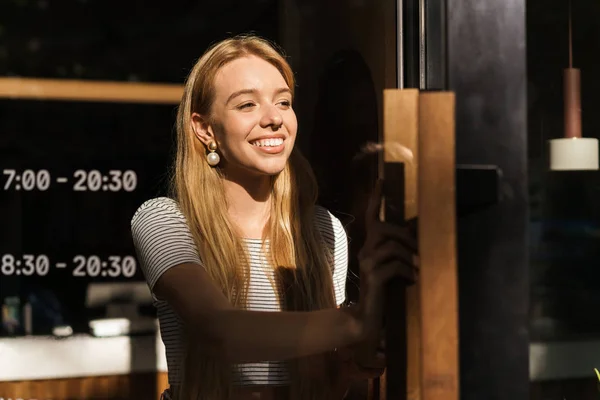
x=254, y=91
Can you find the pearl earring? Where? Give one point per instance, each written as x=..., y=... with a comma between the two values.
x=213, y=157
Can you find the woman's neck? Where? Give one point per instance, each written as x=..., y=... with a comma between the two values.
x=249, y=204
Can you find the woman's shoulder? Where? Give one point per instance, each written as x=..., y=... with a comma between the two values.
x=161, y=238
x=164, y=203
x=327, y=222
x=158, y=207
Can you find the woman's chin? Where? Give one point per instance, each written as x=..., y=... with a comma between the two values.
x=271, y=167
x=272, y=170
x=255, y=170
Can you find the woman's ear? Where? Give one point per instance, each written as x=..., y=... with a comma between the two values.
x=202, y=129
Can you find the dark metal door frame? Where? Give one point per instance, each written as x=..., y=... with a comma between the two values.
x=479, y=52
x=421, y=44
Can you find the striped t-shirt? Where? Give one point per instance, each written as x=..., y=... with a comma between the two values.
x=163, y=240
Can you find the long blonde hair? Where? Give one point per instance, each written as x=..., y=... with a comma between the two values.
x=301, y=262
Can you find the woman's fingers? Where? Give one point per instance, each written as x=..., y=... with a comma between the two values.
x=382, y=342
x=382, y=231
x=402, y=234
x=386, y=272
x=391, y=251
x=378, y=360
x=382, y=272
x=387, y=252
x=374, y=205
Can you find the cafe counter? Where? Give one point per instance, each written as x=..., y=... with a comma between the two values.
x=82, y=367
x=134, y=367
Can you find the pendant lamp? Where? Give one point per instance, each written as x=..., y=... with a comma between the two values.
x=573, y=152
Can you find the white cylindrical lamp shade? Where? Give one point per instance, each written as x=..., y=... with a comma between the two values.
x=570, y=154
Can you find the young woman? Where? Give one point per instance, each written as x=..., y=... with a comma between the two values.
x=247, y=272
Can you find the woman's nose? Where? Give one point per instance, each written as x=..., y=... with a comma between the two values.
x=272, y=118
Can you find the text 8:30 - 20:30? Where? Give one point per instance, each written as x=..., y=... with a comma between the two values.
x=91, y=266
x=81, y=180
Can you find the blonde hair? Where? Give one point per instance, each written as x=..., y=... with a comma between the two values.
x=301, y=262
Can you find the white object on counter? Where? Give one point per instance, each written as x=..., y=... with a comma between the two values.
x=46, y=357
x=109, y=327
x=62, y=331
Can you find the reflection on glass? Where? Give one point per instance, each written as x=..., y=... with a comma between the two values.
x=345, y=120
x=565, y=206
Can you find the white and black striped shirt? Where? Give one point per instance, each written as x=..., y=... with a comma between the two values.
x=163, y=240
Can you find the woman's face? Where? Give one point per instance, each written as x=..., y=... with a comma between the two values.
x=252, y=117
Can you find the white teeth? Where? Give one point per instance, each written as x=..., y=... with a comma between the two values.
x=268, y=142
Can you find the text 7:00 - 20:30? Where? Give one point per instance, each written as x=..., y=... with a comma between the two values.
x=81, y=180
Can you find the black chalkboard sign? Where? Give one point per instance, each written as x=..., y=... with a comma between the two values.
x=71, y=176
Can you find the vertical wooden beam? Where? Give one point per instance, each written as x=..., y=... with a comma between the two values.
x=401, y=128
x=400, y=135
x=437, y=244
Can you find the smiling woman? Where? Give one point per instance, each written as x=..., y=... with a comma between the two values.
x=246, y=270
x=253, y=122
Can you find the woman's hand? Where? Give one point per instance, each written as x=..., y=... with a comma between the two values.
x=351, y=371
x=389, y=252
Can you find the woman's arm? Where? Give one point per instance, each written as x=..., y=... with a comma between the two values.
x=172, y=267
x=247, y=336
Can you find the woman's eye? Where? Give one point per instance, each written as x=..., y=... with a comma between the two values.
x=245, y=105
x=286, y=103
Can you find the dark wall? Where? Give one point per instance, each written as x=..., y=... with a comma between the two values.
x=115, y=40
x=487, y=70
